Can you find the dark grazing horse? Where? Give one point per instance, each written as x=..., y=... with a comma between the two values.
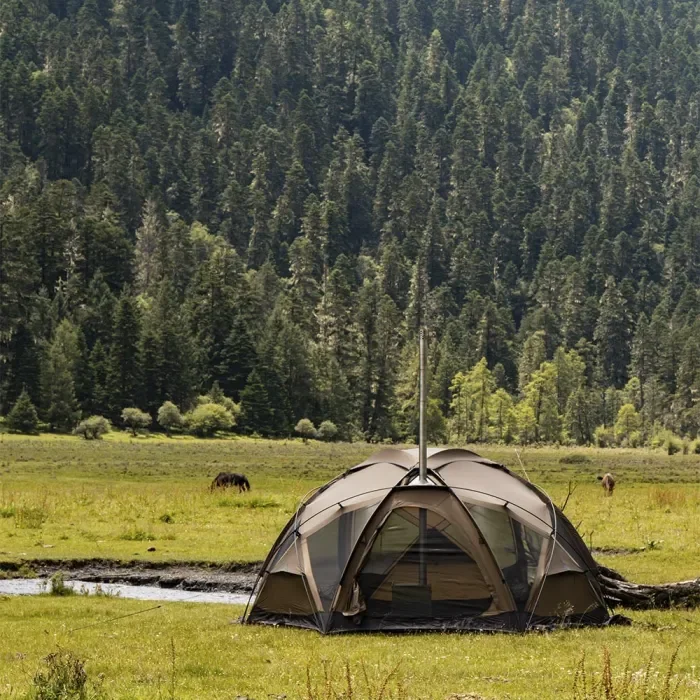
x=226, y=479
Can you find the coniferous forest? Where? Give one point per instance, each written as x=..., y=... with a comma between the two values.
x=248, y=208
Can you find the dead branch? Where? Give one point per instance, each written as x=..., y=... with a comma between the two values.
x=570, y=492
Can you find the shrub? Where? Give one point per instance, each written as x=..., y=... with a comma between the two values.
x=57, y=585
x=628, y=421
x=603, y=436
x=204, y=420
x=673, y=444
x=327, y=430
x=65, y=678
x=695, y=447
x=135, y=419
x=306, y=429
x=30, y=517
x=22, y=418
x=216, y=395
x=635, y=439
x=169, y=417
x=92, y=428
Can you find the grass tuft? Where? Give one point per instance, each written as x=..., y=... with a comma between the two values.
x=252, y=503
x=332, y=684
x=64, y=678
x=137, y=534
x=30, y=517
x=58, y=587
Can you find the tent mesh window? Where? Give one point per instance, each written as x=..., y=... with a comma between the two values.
x=515, y=547
x=390, y=579
x=331, y=547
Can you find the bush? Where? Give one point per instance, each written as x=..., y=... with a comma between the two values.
x=635, y=439
x=327, y=430
x=22, y=418
x=135, y=419
x=603, y=436
x=672, y=444
x=695, y=447
x=306, y=429
x=57, y=586
x=92, y=428
x=65, y=678
x=169, y=417
x=204, y=420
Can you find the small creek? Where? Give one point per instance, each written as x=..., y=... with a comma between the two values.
x=36, y=586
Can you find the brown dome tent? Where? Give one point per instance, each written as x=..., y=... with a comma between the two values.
x=473, y=547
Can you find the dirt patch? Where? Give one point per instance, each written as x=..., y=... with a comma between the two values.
x=187, y=576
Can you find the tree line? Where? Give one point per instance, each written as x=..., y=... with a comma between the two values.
x=267, y=199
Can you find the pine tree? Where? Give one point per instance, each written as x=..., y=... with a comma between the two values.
x=58, y=388
x=612, y=334
x=124, y=371
x=23, y=418
x=258, y=415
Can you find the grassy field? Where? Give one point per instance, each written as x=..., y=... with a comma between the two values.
x=216, y=658
x=61, y=497
x=65, y=498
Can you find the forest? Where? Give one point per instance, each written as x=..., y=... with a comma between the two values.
x=238, y=214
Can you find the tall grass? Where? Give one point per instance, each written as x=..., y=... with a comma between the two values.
x=647, y=683
x=667, y=498
x=346, y=683
x=64, y=678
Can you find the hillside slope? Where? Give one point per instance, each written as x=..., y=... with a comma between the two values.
x=273, y=196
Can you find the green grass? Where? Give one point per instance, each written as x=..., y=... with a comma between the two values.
x=217, y=658
x=61, y=497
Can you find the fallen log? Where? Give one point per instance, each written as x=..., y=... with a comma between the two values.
x=621, y=593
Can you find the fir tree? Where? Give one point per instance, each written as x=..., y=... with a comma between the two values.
x=23, y=418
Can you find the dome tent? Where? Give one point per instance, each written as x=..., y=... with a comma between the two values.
x=474, y=547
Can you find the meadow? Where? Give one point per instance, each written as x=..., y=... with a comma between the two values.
x=64, y=498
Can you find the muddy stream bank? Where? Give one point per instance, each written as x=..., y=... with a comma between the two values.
x=229, y=583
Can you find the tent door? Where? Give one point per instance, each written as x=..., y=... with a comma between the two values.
x=411, y=600
x=418, y=566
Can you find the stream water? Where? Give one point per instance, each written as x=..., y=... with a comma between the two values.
x=35, y=586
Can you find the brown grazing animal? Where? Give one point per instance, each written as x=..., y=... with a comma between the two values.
x=608, y=483
x=225, y=479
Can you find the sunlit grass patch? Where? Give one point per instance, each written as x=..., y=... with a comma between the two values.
x=211, y=657
x=251, y=502
x=91, y=498
x=30, y=517
x=137, y=534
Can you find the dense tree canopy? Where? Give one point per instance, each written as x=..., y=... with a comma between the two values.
x=273, y=196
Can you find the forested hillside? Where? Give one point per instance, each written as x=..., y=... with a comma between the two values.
x=266, y=199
